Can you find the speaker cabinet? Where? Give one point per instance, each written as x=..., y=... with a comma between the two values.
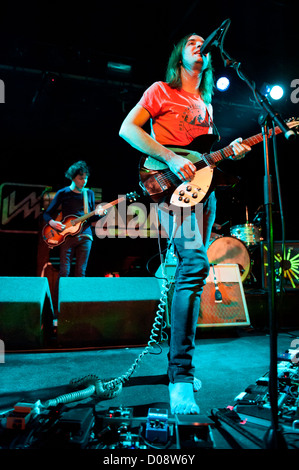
x=26, y=311
x=106, y=311
x=231, y=311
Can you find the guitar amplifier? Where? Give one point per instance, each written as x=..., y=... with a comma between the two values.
x=231, y=311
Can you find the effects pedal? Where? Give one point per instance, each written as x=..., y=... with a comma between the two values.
x=157, y=429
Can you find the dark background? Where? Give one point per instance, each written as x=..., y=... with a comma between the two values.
x=62, y=103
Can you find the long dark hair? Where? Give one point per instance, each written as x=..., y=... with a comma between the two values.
x=173, y=72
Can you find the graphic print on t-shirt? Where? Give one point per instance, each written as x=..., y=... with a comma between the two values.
x=177, y=116
x=193, y=117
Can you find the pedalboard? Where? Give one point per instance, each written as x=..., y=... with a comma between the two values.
x=253, y=405
x=82, y=427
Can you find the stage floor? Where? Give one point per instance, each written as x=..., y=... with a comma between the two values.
x=225, y=363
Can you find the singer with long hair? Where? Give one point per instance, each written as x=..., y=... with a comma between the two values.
x=179, y=110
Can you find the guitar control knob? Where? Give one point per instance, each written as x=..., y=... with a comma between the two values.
x=186, y=200
x=189, y=188
x=181, y=193
x=180, y=198
x=194, y=195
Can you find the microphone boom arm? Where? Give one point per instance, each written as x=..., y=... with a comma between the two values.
x=261, y=99
x=274, y=437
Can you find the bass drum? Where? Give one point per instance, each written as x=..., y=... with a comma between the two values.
x=230, y=250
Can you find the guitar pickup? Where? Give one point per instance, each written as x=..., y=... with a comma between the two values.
x=162, y=184
x=51, y=234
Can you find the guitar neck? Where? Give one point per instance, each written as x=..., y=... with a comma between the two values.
x=227, y=152
x=84, y=217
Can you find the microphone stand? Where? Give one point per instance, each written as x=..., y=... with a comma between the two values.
x=273, y=438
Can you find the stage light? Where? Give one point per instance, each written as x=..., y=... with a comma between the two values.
x=276, y=92
x=222, y=84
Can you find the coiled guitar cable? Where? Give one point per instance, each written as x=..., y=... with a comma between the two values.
x=91, y=384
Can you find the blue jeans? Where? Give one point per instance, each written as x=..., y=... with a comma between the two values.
x=78, y=246
x=190, y=234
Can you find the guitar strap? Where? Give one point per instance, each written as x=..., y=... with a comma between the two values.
x=85, y=201
x=86, y=210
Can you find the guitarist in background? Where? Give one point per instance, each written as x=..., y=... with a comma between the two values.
x=70, y=200
x=179, y=110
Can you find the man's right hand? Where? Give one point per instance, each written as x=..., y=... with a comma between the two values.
x=57, y=225
x=181, y=167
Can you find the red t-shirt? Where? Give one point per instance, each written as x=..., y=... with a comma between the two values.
x=177, y=117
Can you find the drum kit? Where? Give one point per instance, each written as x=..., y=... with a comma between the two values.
x=236, y=248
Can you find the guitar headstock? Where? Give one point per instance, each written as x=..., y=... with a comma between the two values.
x=293, y=123
x=132, y=196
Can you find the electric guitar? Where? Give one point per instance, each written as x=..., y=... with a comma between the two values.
x=160, y=183
x=74, y=224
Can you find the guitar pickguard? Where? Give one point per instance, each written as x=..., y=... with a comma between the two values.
x=160, y=184
x=191, y=193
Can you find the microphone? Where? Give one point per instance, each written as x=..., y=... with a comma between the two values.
x=215, y=37
x=218, y=295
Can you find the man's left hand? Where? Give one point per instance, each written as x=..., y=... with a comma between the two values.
x=100, y=211
x=239, y=149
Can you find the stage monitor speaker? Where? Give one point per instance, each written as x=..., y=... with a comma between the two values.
x=26, y=312
x=106, y=311
x=231, y=311
x=286, y=266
